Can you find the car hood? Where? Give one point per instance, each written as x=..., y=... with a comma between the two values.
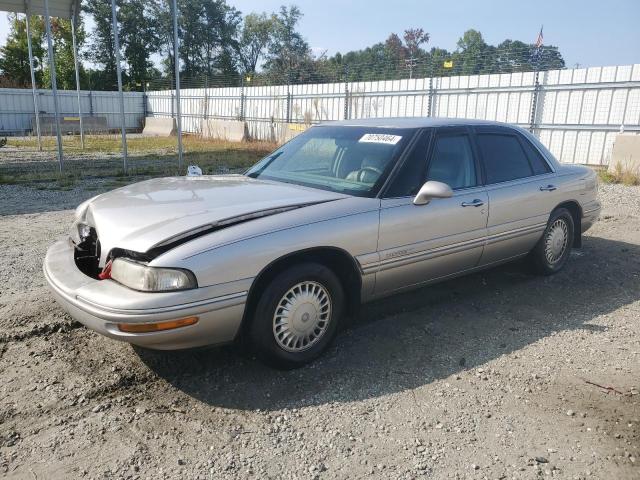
x=144, y=215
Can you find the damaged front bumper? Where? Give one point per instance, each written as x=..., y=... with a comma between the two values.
x=103, y=304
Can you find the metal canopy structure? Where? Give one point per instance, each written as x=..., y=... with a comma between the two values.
x=48, y=8
x=70, y=9
x=57, y=8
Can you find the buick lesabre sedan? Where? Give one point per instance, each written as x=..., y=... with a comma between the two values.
x=344, y=213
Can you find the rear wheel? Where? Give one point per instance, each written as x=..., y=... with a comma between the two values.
x=297, y=315
x=552, y=251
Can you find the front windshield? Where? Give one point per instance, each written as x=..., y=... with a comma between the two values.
x=351, y=160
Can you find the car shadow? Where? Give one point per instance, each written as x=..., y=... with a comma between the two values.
x=412, y=339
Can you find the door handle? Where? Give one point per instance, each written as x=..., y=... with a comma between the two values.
x=548, y=188
x=475, y=203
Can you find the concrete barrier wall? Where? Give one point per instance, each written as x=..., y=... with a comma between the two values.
x=229, y=130
x=290, y=131
x=159, y=127
x=625, y=155
x=71, y=124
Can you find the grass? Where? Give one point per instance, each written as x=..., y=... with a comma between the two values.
x=101, y=159
x=625, y=175
x=135, y=145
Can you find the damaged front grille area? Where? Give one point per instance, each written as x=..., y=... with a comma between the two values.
x=87, y=245
x=87, y=253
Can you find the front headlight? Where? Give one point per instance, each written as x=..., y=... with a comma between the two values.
x=139, y=276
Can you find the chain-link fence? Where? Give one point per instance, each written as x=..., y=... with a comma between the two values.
x=575, y=112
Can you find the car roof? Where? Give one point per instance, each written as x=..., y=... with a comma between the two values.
x=413, y=122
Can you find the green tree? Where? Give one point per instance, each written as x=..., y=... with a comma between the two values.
x=139, y=39
x=547, y=58
x=414, y=38
x=472, y=53
x=101, y=47
x=513, y=56
x=219, y=43
x=257, y=31
x=14, y=55
x=207, y=30
x=63, y=54
x=289, y=58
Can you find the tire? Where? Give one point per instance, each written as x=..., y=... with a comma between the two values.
x=278, y=335
x=552, y=251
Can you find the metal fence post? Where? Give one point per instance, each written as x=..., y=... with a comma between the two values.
x=34, y=91
x=242, y=98
x=430, y=98
x=534, y=102
x=90, y=102
x=116, y=45
x=176, y=48
x=346, y=93
x=288, y=118
x=74, y=17
x=206, y=103
x=54, y=84
x=145, y=110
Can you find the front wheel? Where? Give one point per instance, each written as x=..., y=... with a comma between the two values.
x=552, y=251
x=297, y=315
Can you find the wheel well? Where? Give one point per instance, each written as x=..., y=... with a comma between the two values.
x=576, y=212
x=339, y=261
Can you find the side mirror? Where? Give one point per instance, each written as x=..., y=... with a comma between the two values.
x=431, y=190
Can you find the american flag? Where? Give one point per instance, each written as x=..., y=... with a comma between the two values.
x=539, y=40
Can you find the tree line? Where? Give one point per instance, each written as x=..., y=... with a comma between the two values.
x=219, y=46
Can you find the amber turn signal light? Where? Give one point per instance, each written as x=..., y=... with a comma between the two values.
x=158, y=326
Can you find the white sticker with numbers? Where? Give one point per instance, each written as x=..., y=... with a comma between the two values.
x=380, y=138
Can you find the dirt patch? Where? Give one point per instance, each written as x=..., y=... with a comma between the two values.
x=488, y=376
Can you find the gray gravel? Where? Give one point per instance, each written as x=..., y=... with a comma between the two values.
x=497, y=375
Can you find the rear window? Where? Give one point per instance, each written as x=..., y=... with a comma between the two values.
x=503, y=157
x=539, y=164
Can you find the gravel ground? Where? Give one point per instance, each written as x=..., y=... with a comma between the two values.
x=497, y=375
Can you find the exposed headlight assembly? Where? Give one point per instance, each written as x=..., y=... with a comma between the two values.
x=144, y=278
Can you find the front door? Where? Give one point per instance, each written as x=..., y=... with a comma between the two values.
x=420, y=243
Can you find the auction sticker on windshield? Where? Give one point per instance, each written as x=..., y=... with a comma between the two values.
x=380, y=138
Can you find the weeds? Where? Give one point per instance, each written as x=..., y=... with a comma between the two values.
x=627, y=175
x=148, y=157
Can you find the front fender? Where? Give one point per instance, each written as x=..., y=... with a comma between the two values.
x=355, y=233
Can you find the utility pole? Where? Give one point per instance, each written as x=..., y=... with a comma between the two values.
x=411, y=63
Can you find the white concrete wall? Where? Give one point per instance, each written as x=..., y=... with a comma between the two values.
x=579, y=110
x=16, y=107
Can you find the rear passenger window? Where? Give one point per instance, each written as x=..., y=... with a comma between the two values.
x=504, y=159
x=538, y=163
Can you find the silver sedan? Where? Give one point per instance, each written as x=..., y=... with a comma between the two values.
x=345, y=213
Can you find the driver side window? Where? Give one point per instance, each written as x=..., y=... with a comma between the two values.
x=452, y=162
x=411, y=175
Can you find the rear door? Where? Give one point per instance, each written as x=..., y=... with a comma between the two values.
x=522, y=192
x=419, y=243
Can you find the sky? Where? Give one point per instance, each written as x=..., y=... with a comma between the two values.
x=588, y=32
